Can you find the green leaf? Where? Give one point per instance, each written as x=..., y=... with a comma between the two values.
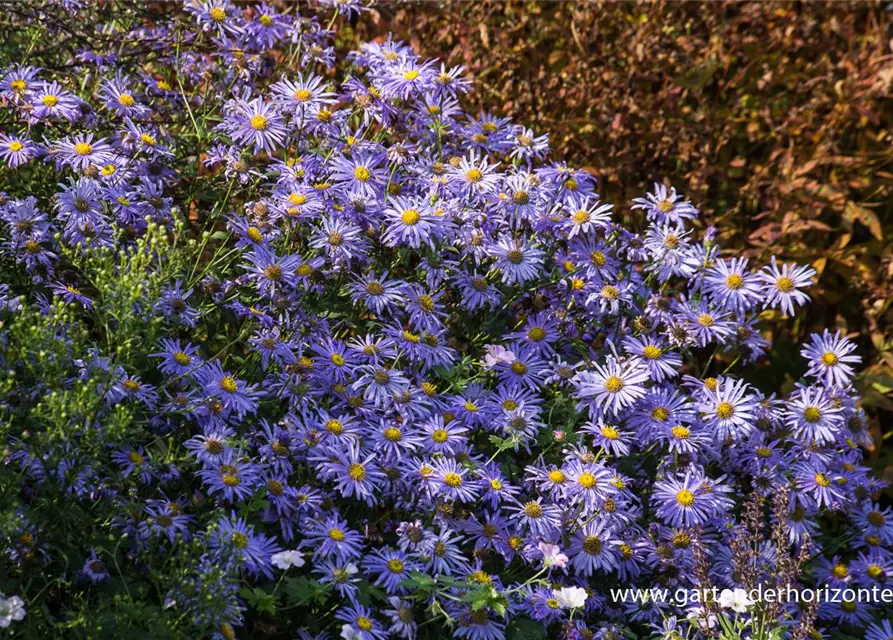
x=522, y=628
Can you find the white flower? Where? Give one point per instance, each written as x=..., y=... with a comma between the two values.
x=11, y=609
x=736, y=600
x=496, y=354
x=552, y=556
x=570, y=597
x=287, y=559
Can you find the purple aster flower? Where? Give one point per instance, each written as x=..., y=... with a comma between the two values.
x=177, y=359
x=412, y=223
x=829, y=358
x=783, y=285
x=81, y=151
x=729, y=409
x=817, y=484
x=612, y=386
x=232, y=476
x=391, y=567
x=50, y=100
x=17, y=150
x=252, y=550
x=517, y=261
x=681, y=502
x=255, y=122
x=594, y=548
x=236, y=395
x=377, y=293
x=332, y=538
x=173, y=304
x=355, y=473
x=360, y=173
x=71, y=294
x=665, y=206
x=732, y=286
x=812, y=417
x=360, y=624
x=94, y=569
x=451, y=481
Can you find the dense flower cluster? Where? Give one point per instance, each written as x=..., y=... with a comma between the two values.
x=412, y=379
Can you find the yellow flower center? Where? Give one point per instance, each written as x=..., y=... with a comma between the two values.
x=126, y=100
x=395, y=566
x=822, y=479
x=652, y=352
x=581, y=217
x=362, y=174
x=364, y=623
x=357, y=472
x=592, y=545
x=229, y=384
x=258, y=122
x=734, y=281
x=15, y=145
x=557, y=476
x=411, y=75
x=474, y=175
x=665, y=206
x=598, y=258
x=587, y=480
x=265, y=20
x=705, y=320
x=671, y=241
x=660, y=414
x=410, y=217
x=680, y=432
x=50, y=101
x=840, y=571
x=453, y=480
x=685, y=497
x=610, y=292
x=812, y=414
x=533, y=510
x=784, y=284
x=613, y=384
x=83, y=148
x=829, y=359
x=182, y=358
x=610, y=432
x=335, y=427
x=217, y=14
x=393, y=434
x=725, y=410
x=519, y=368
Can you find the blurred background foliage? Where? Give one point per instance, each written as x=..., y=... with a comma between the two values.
x=774, y=118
